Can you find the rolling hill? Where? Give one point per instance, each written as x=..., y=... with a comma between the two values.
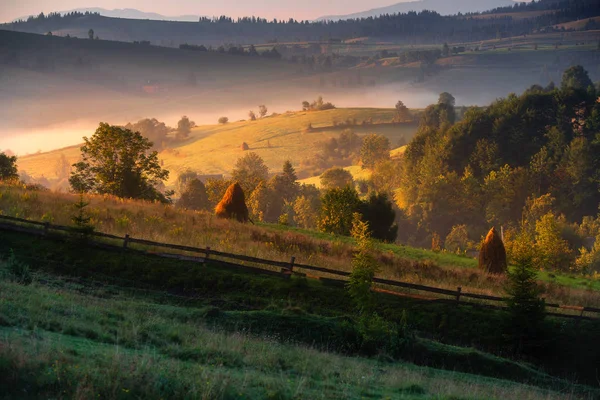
x=128, y=13
x=442, y=7
x=214, y=149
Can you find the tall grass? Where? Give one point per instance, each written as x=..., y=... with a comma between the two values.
x=165, y=223
x=58, y=339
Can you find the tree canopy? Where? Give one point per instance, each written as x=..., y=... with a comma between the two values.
x=469, y=172
x=8, y=167
x=119, y=162
x=250, y=170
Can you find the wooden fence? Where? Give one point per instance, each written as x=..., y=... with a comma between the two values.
x=286, y=268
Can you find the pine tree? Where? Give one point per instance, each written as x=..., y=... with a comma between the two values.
x=81, y=220
x=526, y=308
x=364, y=267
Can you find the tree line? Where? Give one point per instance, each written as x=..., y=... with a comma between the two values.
x=425, y=26
x=526, y=163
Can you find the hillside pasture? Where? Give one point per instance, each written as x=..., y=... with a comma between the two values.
x=87, y=338
x=214, y=149
x=166, y=224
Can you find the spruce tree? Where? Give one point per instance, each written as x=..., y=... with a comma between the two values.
x=81, y=221
x=526, y=308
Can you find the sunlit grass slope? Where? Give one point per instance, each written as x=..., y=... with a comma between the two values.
x=214, y=149
x=167, y=224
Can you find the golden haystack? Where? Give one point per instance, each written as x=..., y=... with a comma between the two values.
x=233, y=204
x=492, y=255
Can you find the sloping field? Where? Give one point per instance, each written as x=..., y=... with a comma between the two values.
x=577, y=25
x=214, y=149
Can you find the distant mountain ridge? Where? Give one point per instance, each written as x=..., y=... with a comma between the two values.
x=130, y=13
x=443, y=7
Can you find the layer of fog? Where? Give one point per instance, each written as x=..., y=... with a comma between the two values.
x=68, y=132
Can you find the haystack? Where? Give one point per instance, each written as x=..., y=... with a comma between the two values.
x=233, y=204
x=492, y=255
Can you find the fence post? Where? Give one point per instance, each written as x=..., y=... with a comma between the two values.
x=580, y=317
x=126, y=241
x=207, y=254
x=458, y=292
x=287, y=272
x=46, y=228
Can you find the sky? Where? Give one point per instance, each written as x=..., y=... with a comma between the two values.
x=281, y=9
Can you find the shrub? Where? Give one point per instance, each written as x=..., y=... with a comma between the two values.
x=589, y=260
x=364, y=267
x=194, y=196
x=378, y=212
x=245, y=146
x=337, y=209
x=336, y=178
x=223, y=120
x=17, y=271
x=458, y=239
x=551, y=250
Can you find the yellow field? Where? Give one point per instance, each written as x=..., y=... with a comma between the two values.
x=358, y=173
x=214, y=149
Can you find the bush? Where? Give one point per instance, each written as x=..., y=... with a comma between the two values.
x=364, y=267
x=194, y=196
x=223, y=120
x=337, y=209
x=336, y=178
x=16, y=271
x=378, y=212
x=457, y=240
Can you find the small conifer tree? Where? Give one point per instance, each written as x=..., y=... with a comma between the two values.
x=364, y=267
x=81, y=220
x=526, y=308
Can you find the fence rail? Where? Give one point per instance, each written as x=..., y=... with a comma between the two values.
x=287, y=268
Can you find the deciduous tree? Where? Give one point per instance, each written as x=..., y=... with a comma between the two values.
x=119, y=162
x=337, y=209
x=250, y=170
x=375, y=148
x=8, y=167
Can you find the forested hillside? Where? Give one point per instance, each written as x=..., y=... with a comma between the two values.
x=520, y=163
x=412, y=27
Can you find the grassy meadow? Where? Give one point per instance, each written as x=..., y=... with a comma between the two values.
x=72, y=338
x=214, y=149
x=167, y=224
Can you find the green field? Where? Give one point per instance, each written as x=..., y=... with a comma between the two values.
x=226, y=335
